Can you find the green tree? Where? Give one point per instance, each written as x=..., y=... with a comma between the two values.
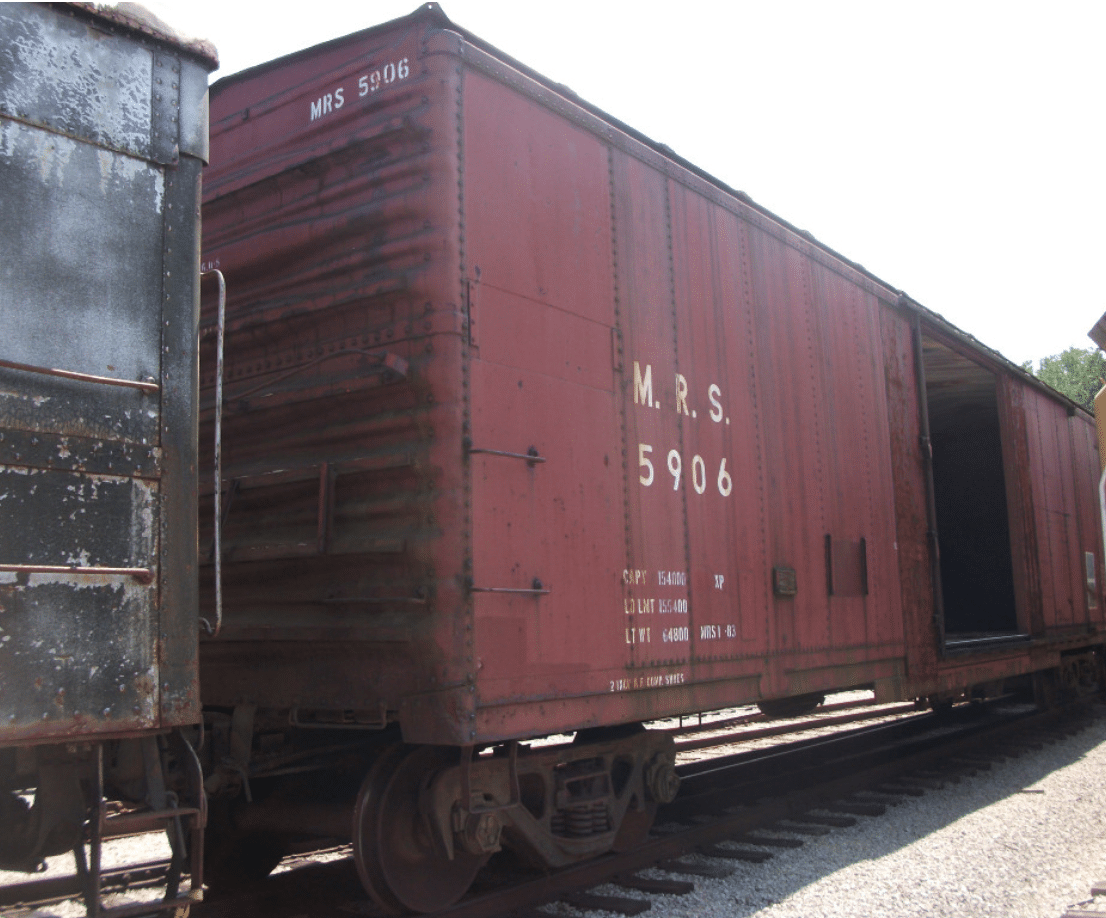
x=1078, y=373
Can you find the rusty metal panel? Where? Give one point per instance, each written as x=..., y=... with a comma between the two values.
x=1063, y=481
x=78, y=649
x=332, y=209
x=542, y=376
x=1024, y=538
x=1053, y=514
x=72, y=252
x=97, y=376
x=537, y=231
x=916, y=586
x=654, y=391
x=1036, y=470
x=726, y=531
x=1067, y=518
x=793, y=429
x=89, y=513
x=59, y=681
x=1084, y=450
x=178, y=647
x=537, y=204
x=858, y=489
x=60, y=80
x=87, y=74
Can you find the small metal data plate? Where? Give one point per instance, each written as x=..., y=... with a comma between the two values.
x=784, y=581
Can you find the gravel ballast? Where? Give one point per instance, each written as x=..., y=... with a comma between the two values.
x=1026, y=839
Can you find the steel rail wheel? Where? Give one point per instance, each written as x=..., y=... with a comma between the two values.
x=396, y=858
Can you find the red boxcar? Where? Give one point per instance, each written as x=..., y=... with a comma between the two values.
x=531, y=427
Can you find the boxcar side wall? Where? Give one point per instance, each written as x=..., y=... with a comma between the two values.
x=773, y=524
x=682, y=370
x=529, y=427
x=103, y=134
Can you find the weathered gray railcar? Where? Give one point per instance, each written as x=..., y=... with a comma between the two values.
x=103, y=135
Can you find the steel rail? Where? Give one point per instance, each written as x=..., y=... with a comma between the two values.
x=823, y=719
x=57, y=889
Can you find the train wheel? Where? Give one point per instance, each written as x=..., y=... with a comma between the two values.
x=397, y=860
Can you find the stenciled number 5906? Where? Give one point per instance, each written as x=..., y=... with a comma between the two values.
x=676, y=470
x=389, y=73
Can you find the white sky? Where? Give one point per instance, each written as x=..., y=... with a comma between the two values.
x=957, y=150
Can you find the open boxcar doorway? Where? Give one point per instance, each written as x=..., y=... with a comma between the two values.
x=970, y=500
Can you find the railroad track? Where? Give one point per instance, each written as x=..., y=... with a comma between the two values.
x=736, y=807
x=696, y=737
x=22, y=898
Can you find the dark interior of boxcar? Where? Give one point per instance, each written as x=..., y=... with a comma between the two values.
x=973, y=529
